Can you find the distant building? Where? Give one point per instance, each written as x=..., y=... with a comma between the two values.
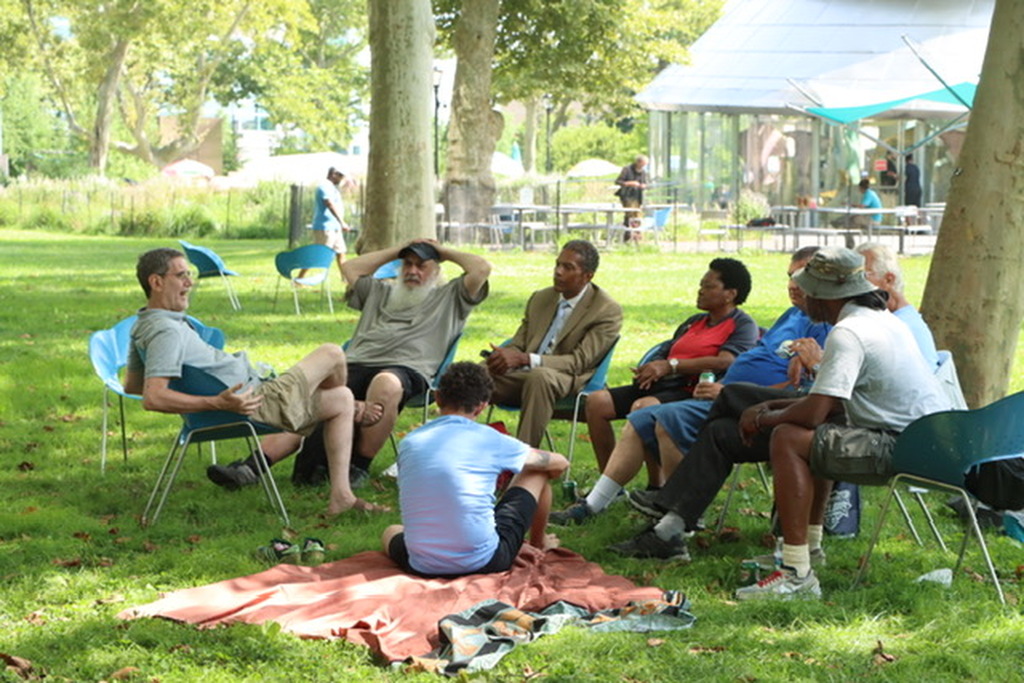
x=734, y=117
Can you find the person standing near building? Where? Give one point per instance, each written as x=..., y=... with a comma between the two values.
x=912, y=182
x=632, y=182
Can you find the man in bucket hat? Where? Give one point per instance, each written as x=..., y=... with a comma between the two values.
x=872, y=371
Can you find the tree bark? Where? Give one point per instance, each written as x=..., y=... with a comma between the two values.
x=474, y=128
x=974, y=297
x=399, y=181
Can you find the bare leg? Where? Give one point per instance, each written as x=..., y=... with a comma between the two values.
x=539, y=485
x=388, y=534
x=385, y=389
x=279, y=446
x=795, y=486
x=600, y=413
x=325, y=367
x=627, y=458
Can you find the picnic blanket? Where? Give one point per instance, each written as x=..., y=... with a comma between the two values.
x=367, y=600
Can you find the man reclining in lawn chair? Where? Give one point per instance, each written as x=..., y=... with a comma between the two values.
x=311, y=392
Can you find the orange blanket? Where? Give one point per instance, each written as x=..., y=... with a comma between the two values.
x=366, y=599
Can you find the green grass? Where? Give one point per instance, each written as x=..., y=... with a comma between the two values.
x=72, y=554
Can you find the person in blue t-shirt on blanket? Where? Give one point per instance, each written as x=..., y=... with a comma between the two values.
x=448, y=471
x=761, y=365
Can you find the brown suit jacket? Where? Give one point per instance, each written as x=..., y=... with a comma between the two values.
x=587, y=335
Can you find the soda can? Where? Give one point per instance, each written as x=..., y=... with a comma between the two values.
x=569, y=490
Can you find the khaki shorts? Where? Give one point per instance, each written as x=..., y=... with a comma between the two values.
x=288, y=403
x=333, y=239
x=854, y=454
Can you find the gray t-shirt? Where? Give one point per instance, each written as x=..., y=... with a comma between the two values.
x=416, y=337
x=163, y=341
x=873, y=364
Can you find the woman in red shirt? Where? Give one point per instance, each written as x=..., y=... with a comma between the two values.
x=705, y=342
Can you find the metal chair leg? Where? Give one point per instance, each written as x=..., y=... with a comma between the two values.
x=266, y=478
x=720, y=524
x=874, y=537
x=976, y=529
x=916, y=492
x=906, y=516
x=165, y=480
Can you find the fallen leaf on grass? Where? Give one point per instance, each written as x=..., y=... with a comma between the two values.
x=1019, y=571
x=75, y=562
x=194, y=539
x=530, y=674
x=121, y=540
x=26, y=466
x=19, y=665
x=702, y=542
x=180, y=647
x=149, y=546
x=974, y=576
x=113, y=599
x=31, y=446
x=125, y=673
x=105, y=562
x=36, y=618
x=655, y=642
x=768, y=541
x=702, y=649
x=29, y=510
x=49, y=428
x=82, y=536
x=107, y=519
x=69, y=418
x=730, y=534
x=113, y=531
x=880, y=656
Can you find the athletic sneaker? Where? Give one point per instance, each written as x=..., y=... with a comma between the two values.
x=772, y=561
x=577, y=513
x=648, y=544
x=782, y=584
x=644, y=500
x=233, y=476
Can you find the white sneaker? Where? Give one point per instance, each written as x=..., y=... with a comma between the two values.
x=782, y=584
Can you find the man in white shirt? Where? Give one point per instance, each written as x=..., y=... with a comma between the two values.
x=873, y=369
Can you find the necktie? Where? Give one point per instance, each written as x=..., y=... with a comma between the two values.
x=556, y=326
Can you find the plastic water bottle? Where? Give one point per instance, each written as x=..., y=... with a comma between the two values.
x=707, y=376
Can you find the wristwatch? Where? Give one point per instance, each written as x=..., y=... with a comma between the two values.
x=673, y=365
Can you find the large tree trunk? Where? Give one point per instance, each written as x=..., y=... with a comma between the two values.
x=399, y=180
x=474, y=128
x=974, y=299
x=106, y=100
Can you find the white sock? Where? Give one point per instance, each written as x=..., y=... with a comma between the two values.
x=670, y=526
x=798, y=557
x=814, y=534
x=603, y=494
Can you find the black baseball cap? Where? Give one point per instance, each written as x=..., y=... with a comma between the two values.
x=424, y=250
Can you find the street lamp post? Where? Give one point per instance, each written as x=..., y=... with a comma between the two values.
x=437, y=108
x=549, y=105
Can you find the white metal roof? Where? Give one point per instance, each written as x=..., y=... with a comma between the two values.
x=764, y=55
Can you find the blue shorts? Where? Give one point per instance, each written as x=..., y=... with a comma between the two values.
x=682, y=420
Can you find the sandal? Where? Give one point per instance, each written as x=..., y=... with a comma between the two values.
x=279, y=552
x=365, y=417
x=312, y=551
x=366, y=506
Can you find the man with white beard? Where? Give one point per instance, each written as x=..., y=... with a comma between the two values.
x=405, y=329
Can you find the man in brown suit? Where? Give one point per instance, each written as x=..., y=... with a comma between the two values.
x=566, y=331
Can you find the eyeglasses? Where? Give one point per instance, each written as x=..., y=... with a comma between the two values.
x=181, y=275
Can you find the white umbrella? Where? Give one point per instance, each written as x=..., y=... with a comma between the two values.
x=188, y=168
x=593, y=168
x=504, y=165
